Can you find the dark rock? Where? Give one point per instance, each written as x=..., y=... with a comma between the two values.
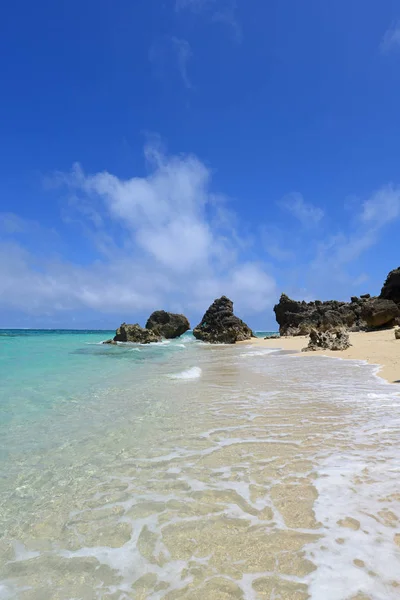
x=135, y=334
x=378, y=312
x=220, y=326
x=328, y=340
x=397, y=334
x=300, y=318
x=168, y=325
x=391, y=287
x=109, y=342
x=365, y=312
x=275, y=336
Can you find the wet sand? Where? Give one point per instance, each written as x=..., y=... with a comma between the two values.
x=375, y=347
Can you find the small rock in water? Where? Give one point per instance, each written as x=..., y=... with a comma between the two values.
x=328, y=340
x=135, y=334
x=168, y=325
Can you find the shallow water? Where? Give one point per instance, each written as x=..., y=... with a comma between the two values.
x=187, y=471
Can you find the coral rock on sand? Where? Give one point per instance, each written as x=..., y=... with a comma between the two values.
x=300, y=318
x=391, y=287
x=379, y=312
x=168, y=325
x=220, y=326
x=135, y=334
x=328, y=340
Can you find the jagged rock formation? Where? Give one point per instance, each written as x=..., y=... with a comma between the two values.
x=391, y=287
x=167, y=325
x=300, y=318
x=134, y=334
x=378, y=312
x=328, y=340
x=220, y=326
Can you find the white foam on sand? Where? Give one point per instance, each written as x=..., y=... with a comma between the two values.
x=262, y=352
x=193, y=373
x=358, y=505
x=7, y=592
x=358, y=543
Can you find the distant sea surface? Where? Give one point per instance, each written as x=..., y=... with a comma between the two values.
x=180, y=470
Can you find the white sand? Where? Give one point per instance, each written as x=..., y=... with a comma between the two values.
x=376, y=347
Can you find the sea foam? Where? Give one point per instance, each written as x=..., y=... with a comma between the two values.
x=262, y=352
x=193, y=373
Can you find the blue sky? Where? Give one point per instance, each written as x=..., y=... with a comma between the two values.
x=159, y=154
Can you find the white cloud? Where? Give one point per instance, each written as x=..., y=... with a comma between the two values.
x=251, y=287
x=193, y=4
x=163, y=213
x=340, y=249
x=227, y=17
x=383, y=207
x=308, y=214
x=166, y=240
x=166, y=245
x=219, y=11
x=336, y=256
x=184, y=53
x=391, y=38
x=11, y=223
x=168, y=53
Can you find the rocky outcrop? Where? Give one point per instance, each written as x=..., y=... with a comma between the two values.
x=134, y=334
x=300, y=318
x=378, y=312
x=391, y=287
x=328, y=340
x=220, y=326
x=167, y=325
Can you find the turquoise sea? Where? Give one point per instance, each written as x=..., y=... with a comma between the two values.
x=180, y=470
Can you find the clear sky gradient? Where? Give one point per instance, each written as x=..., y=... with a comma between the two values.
x=157, y=154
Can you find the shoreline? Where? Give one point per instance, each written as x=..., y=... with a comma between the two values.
x=378, y=348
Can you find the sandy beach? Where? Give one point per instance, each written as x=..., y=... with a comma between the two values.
x=375, y=347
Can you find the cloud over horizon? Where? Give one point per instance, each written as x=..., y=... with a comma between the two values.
x=167, y=240
x=162, y=241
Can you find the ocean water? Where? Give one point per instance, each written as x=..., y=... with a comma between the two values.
x=184, y=471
